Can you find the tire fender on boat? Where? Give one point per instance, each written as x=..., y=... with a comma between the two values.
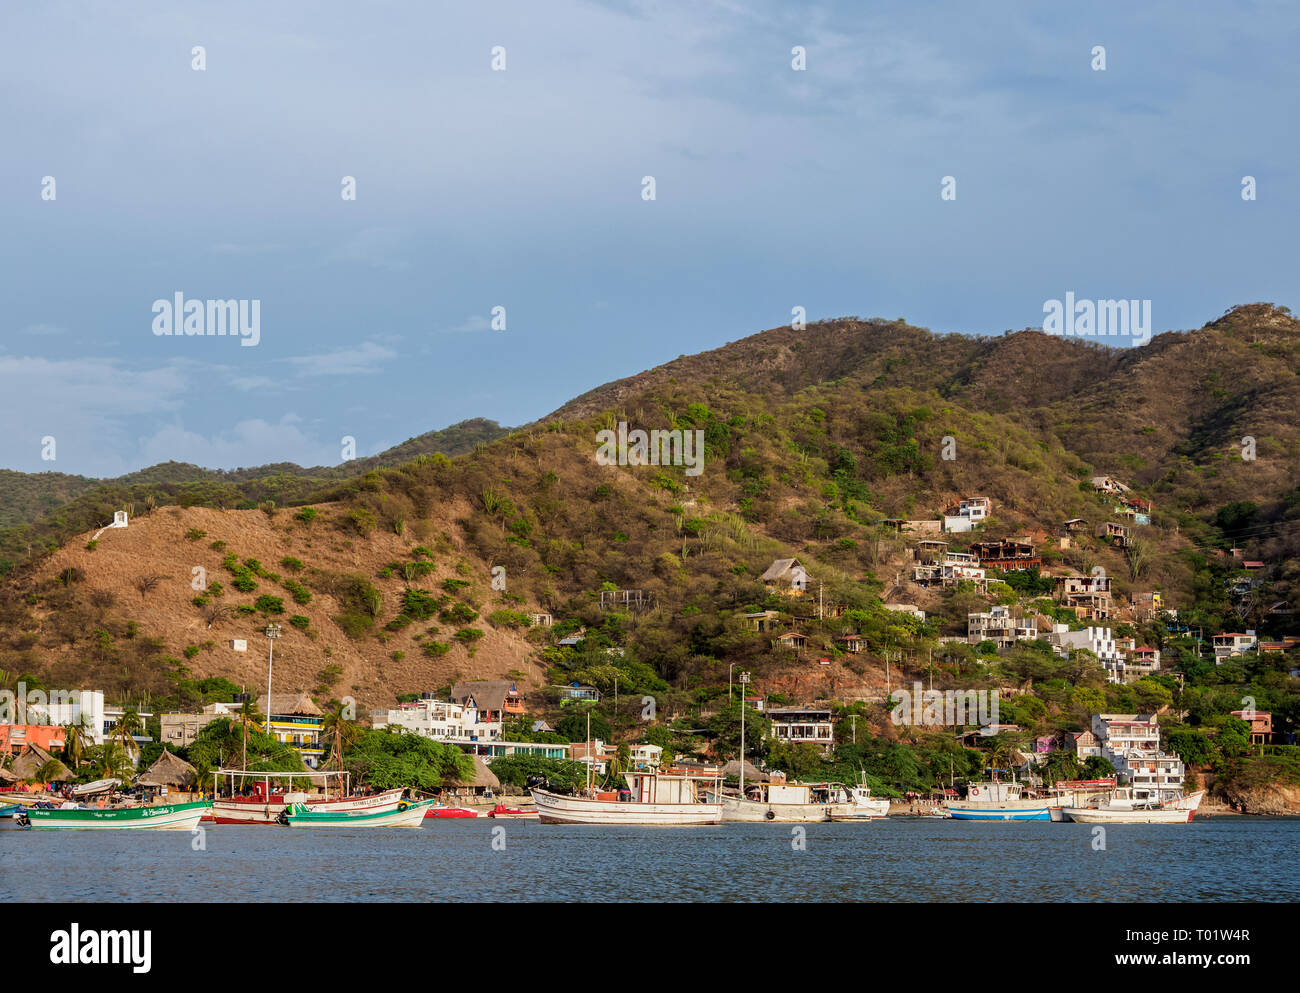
x=770, y=815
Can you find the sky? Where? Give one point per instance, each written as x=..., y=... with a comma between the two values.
x=219, y=175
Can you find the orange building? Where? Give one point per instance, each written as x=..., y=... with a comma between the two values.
x=15, y=737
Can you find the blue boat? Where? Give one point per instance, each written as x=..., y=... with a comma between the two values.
x=997, y=802
x=9, y=809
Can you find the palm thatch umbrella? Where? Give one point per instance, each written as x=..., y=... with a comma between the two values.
x=169, y=770
x=752, y=774
x=33, y=758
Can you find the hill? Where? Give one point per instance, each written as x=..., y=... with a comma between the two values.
x=812, y=438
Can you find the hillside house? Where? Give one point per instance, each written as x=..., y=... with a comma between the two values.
x=803, y=725
x=1261, y=725
x=495, y=699
x=999, y=626
x=1148, y=603
x=1097, y=640
x=786, y=577
x=851, y=643
x=913, y=526
x=1075, y=525
x=1006, y=555
x=1088, y=596
x=1120, y=535
x=541, y=620
x=957, y=524
x=763, y=621
x=578, y=693
x=1084, y=743
x=1230, y=645
x=1109, y=484
x=907, y=608
x=929, y=550
x=440, y=720
x=793, y=640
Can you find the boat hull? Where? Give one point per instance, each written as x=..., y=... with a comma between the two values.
x=411, y=816
x=555, y=809
x=737, y=809
x=1010, y=810
x=161, y=817
x=1173, y=815
x=233, y=811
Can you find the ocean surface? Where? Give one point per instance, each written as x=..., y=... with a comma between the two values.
x=1211, y=859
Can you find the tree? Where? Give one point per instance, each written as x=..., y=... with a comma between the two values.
x=146, y=584
x=1097, y=767
x=391, y=760
x=573, y=727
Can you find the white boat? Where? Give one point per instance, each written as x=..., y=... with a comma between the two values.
x=789, y=803
x=98, y=786
x=668, y=797
x=264, y=806
x=864, y=803
x=1122, y=808
x=995, y=801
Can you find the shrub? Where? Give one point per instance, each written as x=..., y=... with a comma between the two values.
x=268, y=604
x=292, y=564
x=435, y=649
x=306, y=515
x=300, y=622
x=458, y=613
x=194, y=534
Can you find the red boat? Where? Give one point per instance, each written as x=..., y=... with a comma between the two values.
x=441, y=811
x=518, y=813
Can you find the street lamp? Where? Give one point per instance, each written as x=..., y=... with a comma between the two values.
x=272, y=632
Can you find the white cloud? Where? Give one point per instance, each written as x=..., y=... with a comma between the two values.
x=364, y=359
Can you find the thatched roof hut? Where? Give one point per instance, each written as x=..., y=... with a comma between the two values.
x=752, y=774
x=484, y=778
x=32, y=758
x=169, y=770
x=8, y=777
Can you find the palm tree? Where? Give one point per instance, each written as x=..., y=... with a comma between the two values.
x=113, y=762
x=77, y=741
x=128, y=725
x=342, y=731
x=50, y=771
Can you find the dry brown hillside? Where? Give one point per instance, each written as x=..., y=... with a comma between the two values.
x=157, y=546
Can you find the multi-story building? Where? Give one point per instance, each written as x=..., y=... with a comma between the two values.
x=1097, y=640
x=1261, y=725
x=296, y=721
x=999, y=626
x=1132, y=744
x=810, y=725
x=441, y=720
x=494, y=699
x=1088, y=596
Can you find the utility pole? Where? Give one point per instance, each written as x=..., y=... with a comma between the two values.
x=744, y=681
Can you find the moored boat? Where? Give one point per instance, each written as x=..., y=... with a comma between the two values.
x=1122, y=808
x=71, y=816
x=517, y=813
x=440, y=810
x=409, y=815
x=665, y=797
x=996, y=801
x=264, y=806
x=788, y=803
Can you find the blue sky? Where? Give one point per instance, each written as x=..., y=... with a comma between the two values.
x=477, y=188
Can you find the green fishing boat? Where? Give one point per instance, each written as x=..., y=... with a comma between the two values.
x=409, y=816
x=164, y=816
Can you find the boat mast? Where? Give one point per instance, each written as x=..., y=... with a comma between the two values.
x=744, y=681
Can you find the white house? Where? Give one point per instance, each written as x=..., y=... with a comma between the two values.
x=440, y=720
x=787, y=577
x=1228, y=645
x=1132, y=744
x=1099, y=641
